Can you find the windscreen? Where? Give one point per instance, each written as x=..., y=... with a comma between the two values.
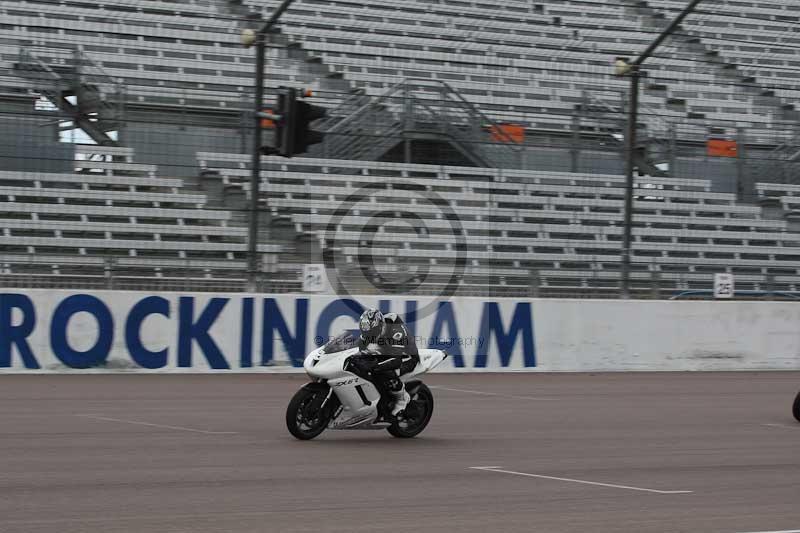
x=344, y=341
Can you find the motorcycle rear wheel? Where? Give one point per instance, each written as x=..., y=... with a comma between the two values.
x=419, y=413
x=796, y=407
x=302, y=423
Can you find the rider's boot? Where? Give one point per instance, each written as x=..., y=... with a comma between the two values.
x=401, y=399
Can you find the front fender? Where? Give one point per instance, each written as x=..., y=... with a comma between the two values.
x=316, y=386
x=412, y=386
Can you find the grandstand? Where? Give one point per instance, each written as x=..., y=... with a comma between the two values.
x=67, y=229
x=419, y=96
x=562, y=228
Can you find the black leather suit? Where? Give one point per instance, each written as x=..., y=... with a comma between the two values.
x=386, y=355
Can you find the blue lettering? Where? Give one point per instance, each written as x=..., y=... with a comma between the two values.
x=11, y=335
x=492, y=323
x=272, y=320
x=246, y=342
x=98, y=353
x=410, y=317
x=445, y=316
x=152, y=305
x=189, y=329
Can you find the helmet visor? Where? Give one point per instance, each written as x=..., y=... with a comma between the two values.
x=364, y=324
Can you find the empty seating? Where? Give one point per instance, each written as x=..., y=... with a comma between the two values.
x=174, y=54
x=520, y=62
x=532, y=64
x=112, y=211
x=522, y=224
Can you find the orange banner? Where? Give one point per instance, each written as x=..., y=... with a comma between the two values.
x=508, y=133
x=722, y=148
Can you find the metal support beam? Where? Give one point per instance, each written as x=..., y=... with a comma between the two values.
x=744, y=188
x=575, y=143
x=673, y=151
x=255, y=175
x=630, y=147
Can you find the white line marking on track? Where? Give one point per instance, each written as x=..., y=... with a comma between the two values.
x=781, y=426
x=492, y=394
x=781, y=531
x=582, y=481
x=138, y=423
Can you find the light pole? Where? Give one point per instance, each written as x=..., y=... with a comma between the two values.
x=632, y=70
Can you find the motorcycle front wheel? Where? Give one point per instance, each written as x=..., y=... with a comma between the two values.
x=305, y=417
x=416, y=416
x=796, y=407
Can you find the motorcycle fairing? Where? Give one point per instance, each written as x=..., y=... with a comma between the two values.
x=358, y=397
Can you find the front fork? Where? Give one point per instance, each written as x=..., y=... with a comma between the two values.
x=321, y=398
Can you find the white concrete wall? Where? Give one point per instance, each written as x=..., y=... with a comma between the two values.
x=127, y=331
x=667, y=335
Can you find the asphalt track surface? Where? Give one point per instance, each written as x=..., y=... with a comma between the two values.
x=571, y=453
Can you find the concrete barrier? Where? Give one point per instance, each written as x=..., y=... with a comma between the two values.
x=43, y=330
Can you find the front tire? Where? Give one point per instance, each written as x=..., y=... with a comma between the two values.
x=303, y=420
x=416, y=416
x=796, y=407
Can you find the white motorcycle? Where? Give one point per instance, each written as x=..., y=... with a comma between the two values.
x=339, y=399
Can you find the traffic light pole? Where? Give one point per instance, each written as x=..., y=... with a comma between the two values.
x=255, y=176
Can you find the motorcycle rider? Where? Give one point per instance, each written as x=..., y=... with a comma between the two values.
x=386, y=352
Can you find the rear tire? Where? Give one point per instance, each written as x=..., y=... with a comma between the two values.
x=796, y=407
x=420, y=411
x=302, y=423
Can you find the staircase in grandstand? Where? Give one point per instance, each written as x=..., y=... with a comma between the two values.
x=77, y=86
x=782, y=164
x=655, y=138
x=693, y=40
x=366, y=128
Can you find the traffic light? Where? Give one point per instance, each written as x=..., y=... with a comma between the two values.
x=284, y=132
x=294, y=117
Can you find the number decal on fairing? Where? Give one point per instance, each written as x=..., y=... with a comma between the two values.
x=360, y=390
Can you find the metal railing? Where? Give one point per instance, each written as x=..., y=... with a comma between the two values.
x=364, y=128
x=58, y=73
x=595, y=280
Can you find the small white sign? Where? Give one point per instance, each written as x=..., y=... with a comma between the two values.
x=314, y=278
x=723, y=285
